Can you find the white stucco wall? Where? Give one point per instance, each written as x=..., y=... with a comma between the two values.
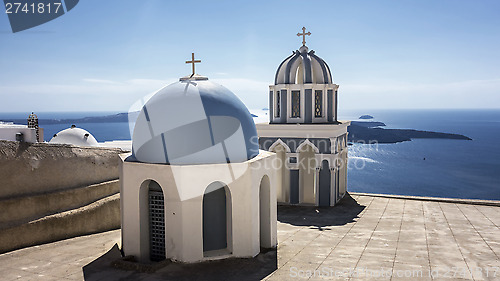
x=27, y=169
x=8, y=132
x=183, y=187
x=309, y=176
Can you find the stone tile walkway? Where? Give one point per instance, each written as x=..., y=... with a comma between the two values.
x=363, y=238
x=62, y=260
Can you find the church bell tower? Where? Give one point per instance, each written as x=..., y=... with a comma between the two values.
x=303, y=90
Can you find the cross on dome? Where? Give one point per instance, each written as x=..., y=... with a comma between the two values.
x=193, y=61
x=303, y=34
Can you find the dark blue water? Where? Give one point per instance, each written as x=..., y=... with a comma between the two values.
x=101, y=131
x=452, y=168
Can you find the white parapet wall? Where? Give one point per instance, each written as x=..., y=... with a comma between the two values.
x=35, y=168
x=50, y=192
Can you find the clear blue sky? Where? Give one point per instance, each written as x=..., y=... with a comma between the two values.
x=104, y=55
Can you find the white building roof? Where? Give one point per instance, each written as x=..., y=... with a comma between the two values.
x=75, y=136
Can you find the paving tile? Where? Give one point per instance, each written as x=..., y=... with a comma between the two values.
x=62, y=271
x=8, y=274
x=30, y=265
x=76, y=276
x=381, y=234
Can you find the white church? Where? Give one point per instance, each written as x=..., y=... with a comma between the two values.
x=304, y=130
x=196, y=187
x=202, y=181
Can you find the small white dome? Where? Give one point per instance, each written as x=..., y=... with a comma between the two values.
x=75, y=136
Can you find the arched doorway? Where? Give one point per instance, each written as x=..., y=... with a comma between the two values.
x=343, y=186
x=294, y=186
x=156, y=211
x=324, y=184
x=265, y=212
x=337, y=184
x=307, y=174
x=216, y=217
x=283, y=192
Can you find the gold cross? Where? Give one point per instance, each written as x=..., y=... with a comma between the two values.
x=303, y=34
x=193, y=61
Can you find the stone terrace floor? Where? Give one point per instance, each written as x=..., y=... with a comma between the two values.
x=363, y=238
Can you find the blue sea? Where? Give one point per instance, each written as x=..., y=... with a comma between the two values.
x=452, y=168
x=423, y=167
x=101, y=131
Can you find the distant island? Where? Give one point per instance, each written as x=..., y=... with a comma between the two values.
x=359, y=131
x=370, y=132
x=114, y=118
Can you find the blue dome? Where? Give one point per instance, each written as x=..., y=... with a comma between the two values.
x=303, y=67
x=194, y=121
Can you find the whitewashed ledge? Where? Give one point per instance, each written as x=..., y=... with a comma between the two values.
x=494, y=203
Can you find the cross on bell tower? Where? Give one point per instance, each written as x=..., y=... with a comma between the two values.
x=193, y=61
x=303, y=34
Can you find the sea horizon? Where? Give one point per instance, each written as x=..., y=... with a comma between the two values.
x=421, y=167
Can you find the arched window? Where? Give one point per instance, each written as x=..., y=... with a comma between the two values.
x=277, y=102
x=299, y=74
x=335, y=106
x=318, y=103
x=295, y=104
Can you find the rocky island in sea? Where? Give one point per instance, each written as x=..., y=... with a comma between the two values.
x=359, y=131
x=371, y=132
x=114, y=118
